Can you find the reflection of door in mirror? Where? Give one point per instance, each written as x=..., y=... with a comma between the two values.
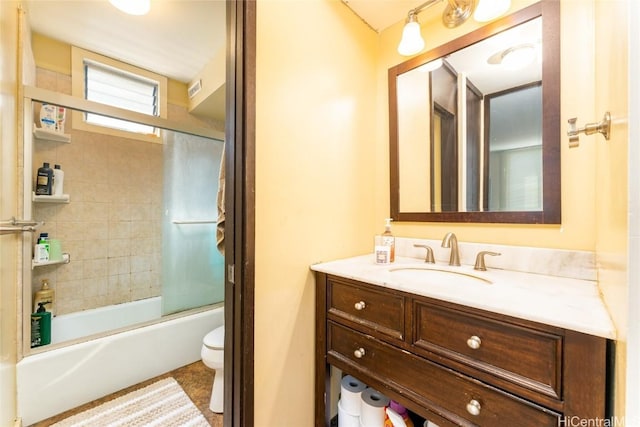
x=444, y=165
x=444, y=188
x=474, y=148
x=514, y=136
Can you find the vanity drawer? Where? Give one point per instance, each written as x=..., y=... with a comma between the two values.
x=381, y=311
x=528, y=357
x=461, y=399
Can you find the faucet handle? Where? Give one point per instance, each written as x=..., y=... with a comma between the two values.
x=429, y=258
x=480, y=260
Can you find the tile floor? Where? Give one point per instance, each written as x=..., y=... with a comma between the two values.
x=196, y=380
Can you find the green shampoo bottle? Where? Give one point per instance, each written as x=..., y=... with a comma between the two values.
x=40, y=327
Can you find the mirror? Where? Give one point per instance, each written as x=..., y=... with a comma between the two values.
x=474, y=138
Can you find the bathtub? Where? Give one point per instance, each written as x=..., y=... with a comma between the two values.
x=53, y=381
x=99, y=320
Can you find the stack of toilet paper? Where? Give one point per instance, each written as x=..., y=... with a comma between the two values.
x=359, y=405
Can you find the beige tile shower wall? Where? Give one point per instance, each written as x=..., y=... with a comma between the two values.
x=112, y=226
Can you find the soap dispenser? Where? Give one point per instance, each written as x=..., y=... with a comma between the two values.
x=385, y=245
x=389, y=240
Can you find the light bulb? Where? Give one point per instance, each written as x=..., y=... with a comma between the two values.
x=412, y=41
x=132, y=7
x=486, y=10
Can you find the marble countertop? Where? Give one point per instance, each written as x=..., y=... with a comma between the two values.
x=573, y=304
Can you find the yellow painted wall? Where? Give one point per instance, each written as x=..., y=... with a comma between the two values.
x=315, y=174
x=55, y=55
x=611, y=94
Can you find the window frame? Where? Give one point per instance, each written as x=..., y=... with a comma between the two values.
x=78, y=58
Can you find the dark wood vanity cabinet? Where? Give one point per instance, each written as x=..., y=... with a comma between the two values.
x=453, y=364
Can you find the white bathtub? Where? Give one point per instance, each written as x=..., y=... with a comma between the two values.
x=59, y=379
x=90, y=322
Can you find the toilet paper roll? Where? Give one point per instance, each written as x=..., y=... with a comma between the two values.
x=372, y=406
x=346, y=419
x=350, y=390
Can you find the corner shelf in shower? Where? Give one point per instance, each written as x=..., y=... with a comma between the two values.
x=36, y=198
x=50, y=135
x=66, y=259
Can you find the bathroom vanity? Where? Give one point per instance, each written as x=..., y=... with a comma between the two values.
x=460, y=347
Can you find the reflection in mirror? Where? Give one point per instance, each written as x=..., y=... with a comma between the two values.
x=514, y=139
x=468, y=137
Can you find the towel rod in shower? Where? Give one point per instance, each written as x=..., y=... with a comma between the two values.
x=18, y=226
x=189, y=222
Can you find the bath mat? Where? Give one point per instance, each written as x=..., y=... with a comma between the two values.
x=160, y=404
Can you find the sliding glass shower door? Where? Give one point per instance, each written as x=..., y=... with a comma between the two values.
x=193, y=269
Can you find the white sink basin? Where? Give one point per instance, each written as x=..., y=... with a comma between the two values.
x=437, y=276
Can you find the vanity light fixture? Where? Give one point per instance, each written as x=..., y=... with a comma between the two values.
x=487, y=10
x=412, y=41
x=455, y=13
x=132, y=7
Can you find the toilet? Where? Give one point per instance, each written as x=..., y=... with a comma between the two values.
x=213, y=357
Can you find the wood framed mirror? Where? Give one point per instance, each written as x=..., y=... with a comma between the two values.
x=471, y=144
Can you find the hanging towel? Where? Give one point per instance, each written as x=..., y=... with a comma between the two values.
x=221, y=209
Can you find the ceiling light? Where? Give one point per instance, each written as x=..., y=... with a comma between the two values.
x=486, y=10
x=132, y=7
x=518, y=57
x=515, y=57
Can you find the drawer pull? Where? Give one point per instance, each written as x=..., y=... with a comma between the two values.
x=473, y=407
x=474, y=342
x=360, y=305
x=359, y=353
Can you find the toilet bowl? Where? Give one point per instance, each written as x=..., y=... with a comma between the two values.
x=213, y=357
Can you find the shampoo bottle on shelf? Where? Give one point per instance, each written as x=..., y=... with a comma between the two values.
x=45, y=297
x=58, y=181
x=48, y=117
x=41, y=250
x=44, y=180
x=61, y=112
x=40, y=327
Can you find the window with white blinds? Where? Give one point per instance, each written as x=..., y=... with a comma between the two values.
x=109, y=81
x=119, y=88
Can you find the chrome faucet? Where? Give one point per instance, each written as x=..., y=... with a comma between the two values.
x=451, y=241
